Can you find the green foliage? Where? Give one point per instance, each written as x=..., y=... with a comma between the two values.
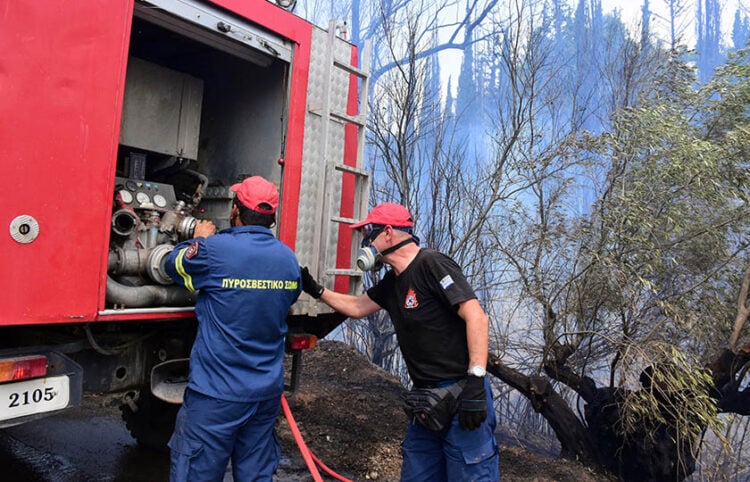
x=674, y=394
x=672, y=217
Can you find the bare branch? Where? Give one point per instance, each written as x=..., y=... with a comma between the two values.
x=743, y=311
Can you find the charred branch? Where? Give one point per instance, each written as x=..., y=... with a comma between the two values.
x=584, y=386
x=729, y=371
x=737, y=401
x=571, y=433
x=743, y=311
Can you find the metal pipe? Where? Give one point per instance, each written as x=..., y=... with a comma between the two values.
x=198, y=196
x=124, y=222
x=133, y=261
x=148, y=295
x=175, y=222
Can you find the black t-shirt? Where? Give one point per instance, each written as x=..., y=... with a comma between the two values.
x=422, y=302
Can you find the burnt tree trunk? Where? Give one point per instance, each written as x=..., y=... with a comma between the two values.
x=573, y=436
x=656, y=451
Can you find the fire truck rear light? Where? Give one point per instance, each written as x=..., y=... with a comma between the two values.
x=23, y=368
x=303, y=342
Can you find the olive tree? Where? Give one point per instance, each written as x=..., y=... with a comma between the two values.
x=637, y=297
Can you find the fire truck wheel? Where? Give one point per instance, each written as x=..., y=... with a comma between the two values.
x=152, y=423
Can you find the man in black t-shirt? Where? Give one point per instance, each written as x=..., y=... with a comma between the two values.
x=443, y=333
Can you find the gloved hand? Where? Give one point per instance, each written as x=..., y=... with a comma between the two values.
x=309, y=285
x=472, y=405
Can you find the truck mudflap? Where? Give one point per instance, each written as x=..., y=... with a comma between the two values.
x=37, y=384
x=169, y=378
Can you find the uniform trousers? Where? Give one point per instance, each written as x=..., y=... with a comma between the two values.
x=453, y=454
x=210, y=432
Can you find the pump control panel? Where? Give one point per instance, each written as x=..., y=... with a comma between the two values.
x=141, y=194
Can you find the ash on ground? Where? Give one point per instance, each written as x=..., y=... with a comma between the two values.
x=349, y=414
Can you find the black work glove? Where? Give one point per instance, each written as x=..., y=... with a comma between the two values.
x=309, y=285
x=472, y=406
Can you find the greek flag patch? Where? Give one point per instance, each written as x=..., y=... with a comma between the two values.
x=446, y=282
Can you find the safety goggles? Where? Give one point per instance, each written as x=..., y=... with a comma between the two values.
x=370, y=232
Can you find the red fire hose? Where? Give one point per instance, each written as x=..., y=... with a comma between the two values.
x=310, y=459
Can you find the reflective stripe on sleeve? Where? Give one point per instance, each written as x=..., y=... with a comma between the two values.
x=186, y=278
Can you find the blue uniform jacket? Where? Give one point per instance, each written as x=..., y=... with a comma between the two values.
x=247, y=279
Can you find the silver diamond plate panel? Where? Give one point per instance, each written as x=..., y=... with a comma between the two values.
x=319, y=179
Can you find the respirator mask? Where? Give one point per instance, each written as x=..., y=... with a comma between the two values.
x=368, y=258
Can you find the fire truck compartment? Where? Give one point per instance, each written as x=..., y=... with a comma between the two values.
x=201, y=111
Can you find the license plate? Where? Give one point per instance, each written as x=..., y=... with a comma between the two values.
x=34, y=396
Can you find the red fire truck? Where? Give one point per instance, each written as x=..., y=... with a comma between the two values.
x=125, y=121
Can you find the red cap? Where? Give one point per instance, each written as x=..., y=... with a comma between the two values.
x=254, y=191
x=387, y=214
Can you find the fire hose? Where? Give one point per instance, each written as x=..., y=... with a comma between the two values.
x=310, y=459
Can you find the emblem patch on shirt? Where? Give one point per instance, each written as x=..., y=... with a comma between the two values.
x=192, y=250
x=446, y=281
x=411, y=302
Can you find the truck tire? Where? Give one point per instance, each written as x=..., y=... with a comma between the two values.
x=152, y=424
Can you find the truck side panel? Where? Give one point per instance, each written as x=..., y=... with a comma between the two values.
x=61, y=78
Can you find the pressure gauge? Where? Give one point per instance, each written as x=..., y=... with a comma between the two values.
x=160, y=200
x=142, y=198
x=126, y=196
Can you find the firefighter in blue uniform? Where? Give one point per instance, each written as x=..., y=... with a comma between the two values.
x=443, y=333
x=247, y=280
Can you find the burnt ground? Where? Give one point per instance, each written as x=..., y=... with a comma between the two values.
x=349, y=413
